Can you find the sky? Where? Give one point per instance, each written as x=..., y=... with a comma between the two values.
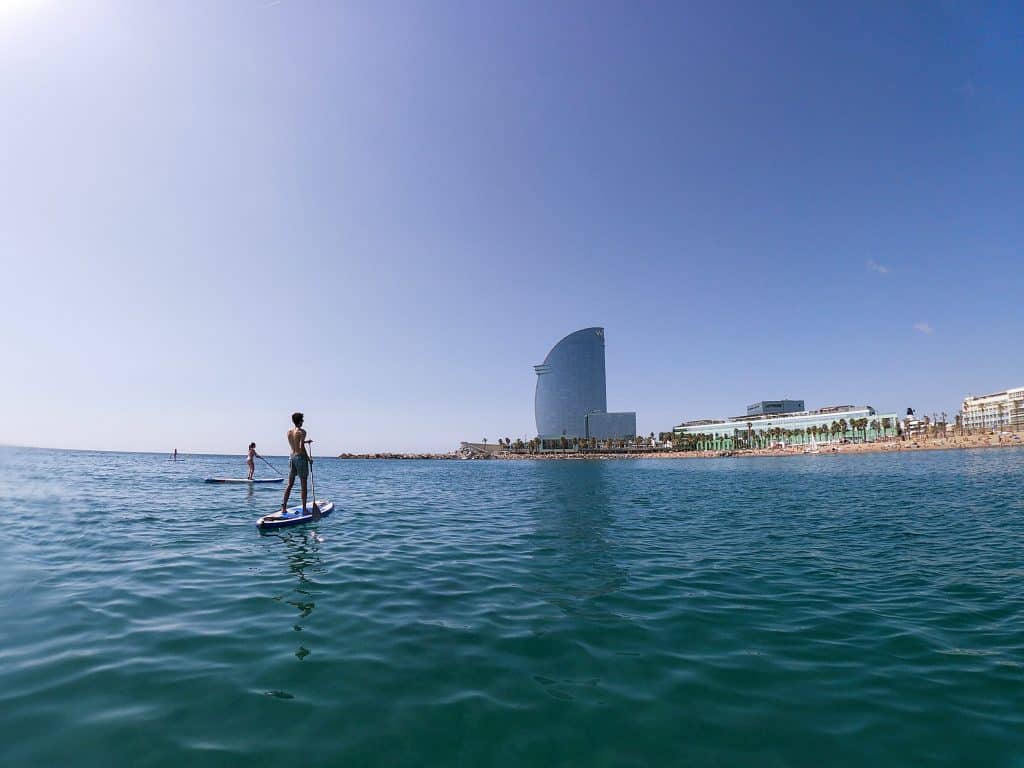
x=383, y=214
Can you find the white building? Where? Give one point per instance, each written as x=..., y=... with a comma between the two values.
x=826, y=424
x=1000, y=410
x=915, y=427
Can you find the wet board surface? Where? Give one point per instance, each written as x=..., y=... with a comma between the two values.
x=243, y=481
x=294, y=515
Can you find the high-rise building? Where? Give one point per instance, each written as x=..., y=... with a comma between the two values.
x=1000, y=410
x=571, y=387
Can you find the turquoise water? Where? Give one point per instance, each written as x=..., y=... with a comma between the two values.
x=821, y=610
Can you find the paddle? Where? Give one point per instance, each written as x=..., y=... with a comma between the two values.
x=312, y=482
x=269, y=465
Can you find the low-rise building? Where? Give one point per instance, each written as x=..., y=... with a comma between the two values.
x=611, y=426
x=1000, y=410
x=834, y=423
x=914, y=427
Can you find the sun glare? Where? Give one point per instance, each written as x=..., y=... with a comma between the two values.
x=12, y=10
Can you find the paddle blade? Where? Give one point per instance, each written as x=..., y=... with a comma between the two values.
x=316, y=511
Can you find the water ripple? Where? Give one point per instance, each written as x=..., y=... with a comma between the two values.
x=863, y=608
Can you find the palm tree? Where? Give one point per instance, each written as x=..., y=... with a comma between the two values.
x=886, y=425
x=875, y=426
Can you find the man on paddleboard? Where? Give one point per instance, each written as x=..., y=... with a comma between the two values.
x=298, y=462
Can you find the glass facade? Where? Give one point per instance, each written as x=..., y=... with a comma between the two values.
x=766, y=407
x=571, y=384
x=611, y=426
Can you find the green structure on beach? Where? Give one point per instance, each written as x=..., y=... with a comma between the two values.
x=765, y=430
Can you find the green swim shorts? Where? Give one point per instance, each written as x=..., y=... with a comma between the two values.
x=297, y=465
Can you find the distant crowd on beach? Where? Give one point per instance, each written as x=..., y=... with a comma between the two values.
x=887, y=445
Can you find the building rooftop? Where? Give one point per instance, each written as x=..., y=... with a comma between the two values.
x=816, y=412
x=785, y=405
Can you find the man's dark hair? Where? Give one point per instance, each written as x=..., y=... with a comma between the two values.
x=297, y=418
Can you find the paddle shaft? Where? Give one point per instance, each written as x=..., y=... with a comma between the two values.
x=270, y=465
x=312, y=482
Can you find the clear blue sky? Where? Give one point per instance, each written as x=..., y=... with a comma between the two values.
x=384, y=214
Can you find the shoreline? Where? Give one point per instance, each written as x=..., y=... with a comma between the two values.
x=891, y=445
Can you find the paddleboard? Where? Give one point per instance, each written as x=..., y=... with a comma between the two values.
x=244, y=480
x=294, y=515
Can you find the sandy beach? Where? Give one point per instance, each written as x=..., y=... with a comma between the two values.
x=889, y=445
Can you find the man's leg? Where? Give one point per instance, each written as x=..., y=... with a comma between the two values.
x=288, y=490
x=302, y=484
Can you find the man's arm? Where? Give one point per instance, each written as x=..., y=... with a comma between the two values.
x=302, y=442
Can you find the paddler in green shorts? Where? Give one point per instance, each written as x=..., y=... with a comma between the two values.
x=298, y=462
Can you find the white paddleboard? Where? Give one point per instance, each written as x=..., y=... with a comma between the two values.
x=244, y=480
x=294, y=515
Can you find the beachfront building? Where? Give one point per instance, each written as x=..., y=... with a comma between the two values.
x=1000, y=410
x=914, y=427
x=824, y=425
x=570, y=400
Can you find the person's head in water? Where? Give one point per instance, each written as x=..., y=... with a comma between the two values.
x=252, y=446
x=297, y=419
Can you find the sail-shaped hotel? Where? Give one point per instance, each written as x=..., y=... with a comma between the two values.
x=571, y=399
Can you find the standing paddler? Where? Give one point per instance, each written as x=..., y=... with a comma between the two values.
x=298, y=462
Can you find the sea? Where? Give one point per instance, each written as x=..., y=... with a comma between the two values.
x=859, y=610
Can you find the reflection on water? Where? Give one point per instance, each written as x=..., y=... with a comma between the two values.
x=302, y=549
x=573, y=562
